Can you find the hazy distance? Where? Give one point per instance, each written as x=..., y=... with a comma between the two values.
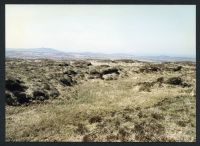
x=130, y=29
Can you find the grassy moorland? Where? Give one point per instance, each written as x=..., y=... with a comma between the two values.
x=100, y=100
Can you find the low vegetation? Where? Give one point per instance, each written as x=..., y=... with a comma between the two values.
x=100, y=100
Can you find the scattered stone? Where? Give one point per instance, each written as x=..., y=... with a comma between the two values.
x=126, y=60
x=10, y=100
x=109, y=71
x=63, y=64
x=112, y=76
x=67, y=80
x=81, y=63
x=40, y=95
x=70, y=72
x=15, y=85
x=104, y=65
x=178, y=68
x=174, y=81
x=21, y=97
x=54, y=93
x=150, y=69
x=93, y=71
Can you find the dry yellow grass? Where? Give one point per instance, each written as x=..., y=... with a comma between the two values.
x=113, y=110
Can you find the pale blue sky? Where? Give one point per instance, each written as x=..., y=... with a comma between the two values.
x=135, y=29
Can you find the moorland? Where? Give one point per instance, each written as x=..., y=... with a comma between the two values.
x=100, y=100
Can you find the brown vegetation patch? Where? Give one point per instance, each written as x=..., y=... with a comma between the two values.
x=95, y=119
x=149, y=131
x=81, y=63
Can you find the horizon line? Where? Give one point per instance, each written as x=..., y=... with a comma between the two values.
x=125, y=53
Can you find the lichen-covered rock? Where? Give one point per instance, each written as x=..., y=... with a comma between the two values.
x=40, y=95
x=93, y=71
x=109, y=71
x=15, y=92
x=66, y=80
x=16, y=98
x=10, y=99
x=178, y=68
x=112, y=76
x=54, y=93
x=104, y=65
x=15, y=85
x=21, y=97
x=81, y=63
x=70, y=72
x=126, y=61
x=151, y=68
x=174, y=81
x=63, y=64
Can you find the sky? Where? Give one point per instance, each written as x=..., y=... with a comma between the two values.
x=131, y=29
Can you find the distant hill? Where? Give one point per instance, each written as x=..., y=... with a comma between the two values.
x=36, y=53
x=166, y=58
x=49, y=53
